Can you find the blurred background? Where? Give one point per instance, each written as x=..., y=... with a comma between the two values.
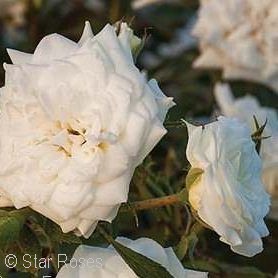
x=167, y=56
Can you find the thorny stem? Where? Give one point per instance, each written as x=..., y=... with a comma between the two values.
x=155, y=202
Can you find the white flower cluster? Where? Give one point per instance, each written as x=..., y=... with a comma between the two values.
x=110, y=263
x=229, y=196
x=240, y=37
x=245, y=108
x=76, y=119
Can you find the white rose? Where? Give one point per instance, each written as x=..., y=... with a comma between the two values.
x=245, y=108
x=76, y=119
x=240, y=37
x=229, y=196
x=108, y=263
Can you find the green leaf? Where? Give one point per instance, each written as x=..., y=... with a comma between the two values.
x=193, y=177
x=203, y=265
x=227, y=270
x=142, y=266
x=26, y=250
x=11, y=223
x=3, y=268
x=9, y=230
x=248, y=271
x=3, y=212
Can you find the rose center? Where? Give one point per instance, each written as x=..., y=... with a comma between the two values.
x=74, y=136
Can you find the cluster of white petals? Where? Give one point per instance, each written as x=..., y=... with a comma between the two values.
x=76, y=119
x=240, y=37
x=108, y=263
x=229, y=196
x=245, y=108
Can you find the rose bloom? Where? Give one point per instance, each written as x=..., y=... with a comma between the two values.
x=240, y=37
x=106, y=262
x=244, y=109
x=76, y=119
x=229, y=195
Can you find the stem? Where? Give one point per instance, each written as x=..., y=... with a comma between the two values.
x=152, y=203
